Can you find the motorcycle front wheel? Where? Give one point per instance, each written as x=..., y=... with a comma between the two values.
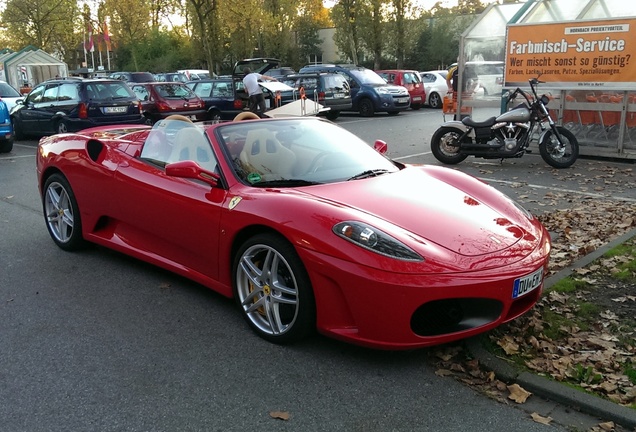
x=554, y=154
x=445, y=145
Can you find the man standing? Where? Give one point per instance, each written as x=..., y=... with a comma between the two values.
x=257, y=100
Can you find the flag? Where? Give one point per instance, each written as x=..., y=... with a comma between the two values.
x=89, y=45
x=106, y=36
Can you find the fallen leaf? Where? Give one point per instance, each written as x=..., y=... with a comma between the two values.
x=518, y=393
x=540, y=419
x=607, y=426
x=280, y=415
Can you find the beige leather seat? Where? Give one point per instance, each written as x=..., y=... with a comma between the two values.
x=190, y=144
x=264, y=154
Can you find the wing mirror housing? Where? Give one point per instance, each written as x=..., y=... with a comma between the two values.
x=380, y=146
x=192, y=170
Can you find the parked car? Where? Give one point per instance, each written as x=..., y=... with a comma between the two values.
x=490, y=76
x=280, y=72
x=409, y=79
x=195, y=74
x=161, y=99
x=9, y=95
x=305, y=225
x=72, y=104
x=436, y=88
x=370, y=93
x=133, y=77
x=171, y=77
x=218, y=95
x=329, y=89
x=6, y=129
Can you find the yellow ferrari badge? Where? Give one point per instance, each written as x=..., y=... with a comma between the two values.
x=234, y=202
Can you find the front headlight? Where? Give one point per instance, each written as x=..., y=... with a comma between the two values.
x=373, y=239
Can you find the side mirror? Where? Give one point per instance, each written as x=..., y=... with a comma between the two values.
x=192, y=170
x=380, y=146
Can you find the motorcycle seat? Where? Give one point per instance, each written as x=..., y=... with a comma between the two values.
x=482, y=124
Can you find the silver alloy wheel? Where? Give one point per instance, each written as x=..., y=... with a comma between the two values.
x=267, y=290
x=59, y=212
x=61, y=127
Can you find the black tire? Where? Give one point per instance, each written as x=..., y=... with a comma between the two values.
x=332, y=115
x=393, y=113
x=434, y=100
x=559, y=158
x=415, y=107
x=445, y=145
x=366, y=108
x=61, y=213
x=17, y=130
x=272, y=289
x=61, y=127
x=214, y=115
x=6, y=146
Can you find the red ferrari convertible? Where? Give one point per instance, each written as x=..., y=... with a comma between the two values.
x=305, y=225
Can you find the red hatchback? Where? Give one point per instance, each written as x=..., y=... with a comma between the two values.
x=409, y=79
x=161, y=99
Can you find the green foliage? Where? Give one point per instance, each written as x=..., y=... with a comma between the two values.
x=586, y=375
x=569, y=285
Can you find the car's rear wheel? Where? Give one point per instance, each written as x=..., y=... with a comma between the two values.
x=62, y=213
x=61, y=127
x=273, y=290
x=6, y=146
x=434, y=100
x=332, y=115
x=214, y=115
x=366, y=108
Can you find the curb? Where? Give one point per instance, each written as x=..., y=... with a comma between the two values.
x=553, y=390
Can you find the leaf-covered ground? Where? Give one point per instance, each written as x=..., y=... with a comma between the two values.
x=583, y=334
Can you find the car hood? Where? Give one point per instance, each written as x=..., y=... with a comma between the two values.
x=434, y=209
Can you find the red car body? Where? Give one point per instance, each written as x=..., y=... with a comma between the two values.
x=409, y=79
x=450, y=256
x=162, y=99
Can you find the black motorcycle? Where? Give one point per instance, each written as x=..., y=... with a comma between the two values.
x=508, y=135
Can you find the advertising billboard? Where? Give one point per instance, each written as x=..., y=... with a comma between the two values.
x=597, y=54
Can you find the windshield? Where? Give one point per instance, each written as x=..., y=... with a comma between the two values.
x=367, y=76
x=174, y=91
x=296, y=152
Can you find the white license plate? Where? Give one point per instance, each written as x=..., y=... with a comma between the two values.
x=115, y=110
x=417, y=99
x=403, y=100
x=525, y=284
x=338, y=95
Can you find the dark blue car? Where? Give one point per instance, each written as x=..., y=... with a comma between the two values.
x=6, y=129
x=218, y=95
x=370, y=93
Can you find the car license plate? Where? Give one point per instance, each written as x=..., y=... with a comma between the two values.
x=417, y=99
x=338, y=95
x=525, y=284
x=403, y=100
x=115, y=110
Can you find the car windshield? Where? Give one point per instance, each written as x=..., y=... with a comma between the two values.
x=7, y=91
x=101, y=90
x=298, y=152
x=367, y=76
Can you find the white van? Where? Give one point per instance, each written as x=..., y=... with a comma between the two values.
x=195, y=74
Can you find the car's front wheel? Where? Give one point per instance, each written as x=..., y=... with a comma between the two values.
x=62, y=213
x=273, y=290
x=366, y=108
x=17, y=129
x=332, y=115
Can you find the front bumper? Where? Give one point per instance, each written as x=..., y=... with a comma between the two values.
x=388, y=310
